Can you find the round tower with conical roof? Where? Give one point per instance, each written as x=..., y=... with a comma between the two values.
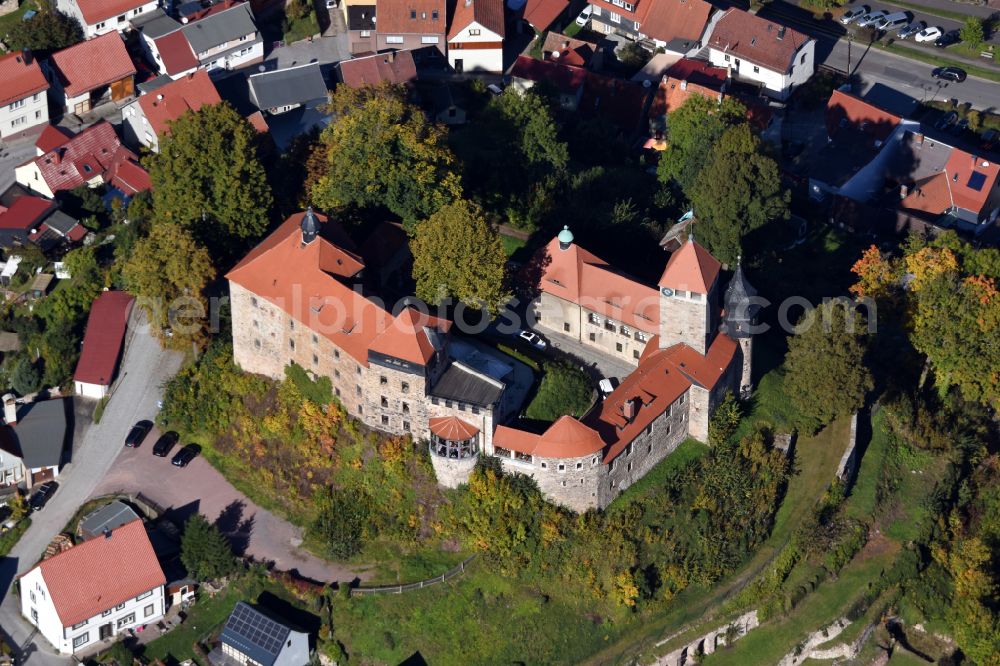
x=738, y=320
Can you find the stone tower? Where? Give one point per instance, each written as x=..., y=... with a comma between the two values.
x=688, y=297
x=738, y=318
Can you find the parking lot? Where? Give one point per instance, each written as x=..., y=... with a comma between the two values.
x=256, y=532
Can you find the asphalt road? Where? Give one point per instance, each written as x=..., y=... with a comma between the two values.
x=144, y=369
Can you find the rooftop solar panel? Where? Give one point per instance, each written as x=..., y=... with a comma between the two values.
x=254, y=634
x=977, y=180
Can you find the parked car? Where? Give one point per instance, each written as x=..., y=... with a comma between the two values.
x=893, y=21
x=495, y=89
x=960, y=126
x=911, y=30
x=871, y=18
x=165, y=443
x=946, y=120
x=928, y=34
x=607, y=385
x=137, y=435
x=949, y=74
x=185, y=455
x=947, y=39
x=40, y=497
x=533, y=339
x=989, y=139
x=852, y=15
x=584, y=16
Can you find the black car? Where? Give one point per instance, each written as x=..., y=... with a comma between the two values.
x=40, y=497
x=949, y=74
x=947, y=39
x=185, y=455
x=165, y=443
x=137, y=435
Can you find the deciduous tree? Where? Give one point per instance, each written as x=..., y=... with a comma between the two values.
x=692, y=131
x=48, y=30
x=382, y=151
x=207, y=178
x=972, y=32
x=457, y=254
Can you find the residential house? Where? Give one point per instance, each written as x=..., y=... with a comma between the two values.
x=684, y=78
x=542, y=14
x=411, y=24
x=32, y=440
x=475, y=37
x=677, y=26
x=569, y=50
x=759, y=51
x=446, y=108
x=225, y=36
x=96, y=590
x=23, y=102
x=282, y=90
x=103, y=342
x=147, y=120
x=565, y=79
x=965, y=193
x=25, y=218
x=361, y=28
x=251, y=637
x=395, y=372
x=109, y=517
x=94, y=157
x=98, y=17
x=395, y=67
x=91, y=73
x=165, y=44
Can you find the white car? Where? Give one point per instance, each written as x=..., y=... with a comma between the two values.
x=607, y=385
x=911, y=30
x=532, y=338
x=852, y=15
x=584, y=16
x=928, y=34
x=871, y=18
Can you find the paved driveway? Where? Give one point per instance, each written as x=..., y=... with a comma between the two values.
x=255, y=532
x=144, y=369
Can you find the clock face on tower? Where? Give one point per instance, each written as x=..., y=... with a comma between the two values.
x=667, y=291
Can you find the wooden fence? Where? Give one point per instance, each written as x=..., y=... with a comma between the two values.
x=399, y=589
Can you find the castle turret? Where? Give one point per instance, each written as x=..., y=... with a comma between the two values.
x=565, y=238
x=739, y=317
x=310, y=226
x=688, y=297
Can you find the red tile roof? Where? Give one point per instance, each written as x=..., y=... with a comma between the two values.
x=175, y=52
x=101, y=573
x=567, y=50
x=691, y=268
x=129, y=177
x=94, y=63
x=24, y=212
x=487, y=13
x=411, y=16
x=566, y=438
x=929, y=195
x=394, y=67
x=541, y=13
x=95, y=11
x=687, y=77
x=301, y=279
x=257, y=120
x=844, y=110
x=666, y=20
x=452, y=428
x=972, y=179
x=19, y=78
x=564, y=78
x=94, y=152
x=757, y=40
x=102, y=342
x=188, y=93
x=51, y=138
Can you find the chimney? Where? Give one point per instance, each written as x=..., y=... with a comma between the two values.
x=628, y=409
x=684, y=85
x=903, y=191
x=57, y=156
x=26, y=56
x=107, y=533
x=9, y=409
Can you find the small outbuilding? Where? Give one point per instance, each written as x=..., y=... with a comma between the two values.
x=251, y=637
x=102, y=344
x=103, y=520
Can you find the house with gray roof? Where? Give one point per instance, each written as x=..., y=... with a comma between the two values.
x=251, y=637
x=286, y=89
x=106, y=519
x=32, y=440
x=225, y=36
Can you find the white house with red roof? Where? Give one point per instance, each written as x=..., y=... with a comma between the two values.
x=96, y=590
x=92, y=72
x=677, y=26
x=102, y=344
x=475, y=37
x=94, y=157
x=759, y=51
x=99, y=17
x=147, y=120
x=23, y=102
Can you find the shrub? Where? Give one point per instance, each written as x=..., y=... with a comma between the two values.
x=565, y=389
x=341, y=522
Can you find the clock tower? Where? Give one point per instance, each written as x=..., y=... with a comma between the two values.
x=688, y=295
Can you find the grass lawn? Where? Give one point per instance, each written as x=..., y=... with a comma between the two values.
x=9, y=538
x=12, y=20
x=686, y=453
x=301, y=28
x=397, y=564
x=511, y=244
x=934, y=11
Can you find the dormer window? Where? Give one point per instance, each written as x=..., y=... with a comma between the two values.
x=413, y=14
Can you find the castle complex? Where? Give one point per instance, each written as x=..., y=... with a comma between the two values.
x=300, y=297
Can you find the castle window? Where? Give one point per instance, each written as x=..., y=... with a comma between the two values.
x=291, y=345
x=635, y=353
x=361, y=410
x=447, y=403
x=628, y=449
x=337, y=392
x=315, y=359
x=562, y=467
x=614, y=463
x=629, y=467
x=256, y=324
x=593, y=461
x=680, y=294
x=405, y=387
x=357, y=389
x=649, y=448
x=624, y=330
x=336, y=353
x=545, y=466
x=594, y=319
x=315, y=339
x=336, y=373
x=406, y=408
x=640, y=336
x=680, y=400
x=564, y=484
x=566, y=326
x=253, y=301
x=385, y=401
x=579, y=465
x=695, y=296
x=406, y=426
x=291, y=324
x=385, y=420
x=357, y=369
x=256, y=343
x=461, y=406
x=592, y=336
x=434, y=400
x=618, y=346
x=648, y=430
x=475, y=410
x=382, y=380
x=609, y=326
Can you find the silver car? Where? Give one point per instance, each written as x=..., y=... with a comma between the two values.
x=851, y=15
x=911, y=29
x=871, y=18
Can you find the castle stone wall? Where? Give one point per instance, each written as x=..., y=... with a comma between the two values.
x=451, y=472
